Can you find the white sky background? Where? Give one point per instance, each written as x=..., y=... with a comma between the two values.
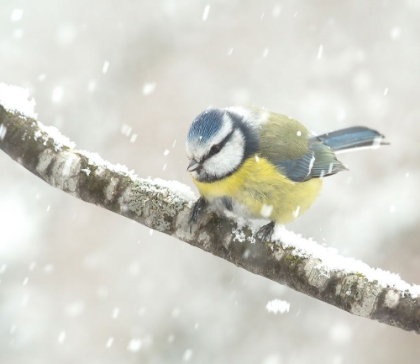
x=103, y=72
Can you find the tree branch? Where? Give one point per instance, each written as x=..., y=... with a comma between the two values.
x=164, y=206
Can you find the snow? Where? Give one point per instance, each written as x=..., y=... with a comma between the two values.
x=149, y=88
x=49, y=268
x=340, y=333
x=57, y=94
x=3, y=131
x=18, y=33
x=91, y=87
x=96, y=160
x=311, y=164
x=179, y=189
x=52, y=132
x=320, y=50
x=126, y=130
x=276, y=11
x=187, y=355
x=239, y=235
x=134, y=345
x=395, y=33
x=105, y=67
x=15, y=99
x=115, y=313
x=206, y=12
x=272, y=359
x=62, y=337
x=109, y=342
x=331, y=261
x=66, y=34
x=16, y=15
x=176, y=187
x=75, y=308
x=278, y=306
x=296, y=212
x=266, y=210
x=134, y=268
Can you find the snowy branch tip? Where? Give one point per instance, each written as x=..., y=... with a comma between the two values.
x=16, y=100
x=331, y=261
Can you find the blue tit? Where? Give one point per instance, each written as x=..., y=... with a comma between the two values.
x=259, y=164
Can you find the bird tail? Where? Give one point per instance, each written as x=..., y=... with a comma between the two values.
x=356, y=137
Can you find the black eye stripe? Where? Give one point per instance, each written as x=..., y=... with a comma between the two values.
x=214, y=151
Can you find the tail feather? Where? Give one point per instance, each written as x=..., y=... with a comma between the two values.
x=351, y=138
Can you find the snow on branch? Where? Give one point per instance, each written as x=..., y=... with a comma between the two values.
x=291, y=260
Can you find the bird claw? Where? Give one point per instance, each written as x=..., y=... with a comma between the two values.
x=266, y=232
x=196, y=211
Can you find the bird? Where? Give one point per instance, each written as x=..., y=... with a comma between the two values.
x=259, y=164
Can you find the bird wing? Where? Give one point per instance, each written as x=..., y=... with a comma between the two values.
x=296, y=153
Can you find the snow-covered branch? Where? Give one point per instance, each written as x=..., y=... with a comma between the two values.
x=164, y=206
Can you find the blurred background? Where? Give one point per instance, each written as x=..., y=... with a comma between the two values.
x=79, y=284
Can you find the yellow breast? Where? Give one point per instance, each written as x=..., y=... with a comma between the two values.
x=259, y=186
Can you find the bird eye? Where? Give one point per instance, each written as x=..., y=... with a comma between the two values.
x=215, y=149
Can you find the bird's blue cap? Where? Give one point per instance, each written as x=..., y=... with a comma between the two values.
x=205, y=125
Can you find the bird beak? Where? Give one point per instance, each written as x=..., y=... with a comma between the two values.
x=194, y=165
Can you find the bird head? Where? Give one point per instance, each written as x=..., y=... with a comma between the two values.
x=217, y=144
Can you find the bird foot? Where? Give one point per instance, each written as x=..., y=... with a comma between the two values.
x=196, y=211
x=266, y=232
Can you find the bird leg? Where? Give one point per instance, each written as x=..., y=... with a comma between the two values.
x=266, y=231
x=196, y=211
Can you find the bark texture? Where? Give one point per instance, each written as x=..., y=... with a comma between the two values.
x=161, y=207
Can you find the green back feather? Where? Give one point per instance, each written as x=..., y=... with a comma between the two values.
x=297, y=154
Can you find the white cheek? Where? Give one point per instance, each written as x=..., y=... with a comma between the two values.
x=228, y=159
x=195, y=175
